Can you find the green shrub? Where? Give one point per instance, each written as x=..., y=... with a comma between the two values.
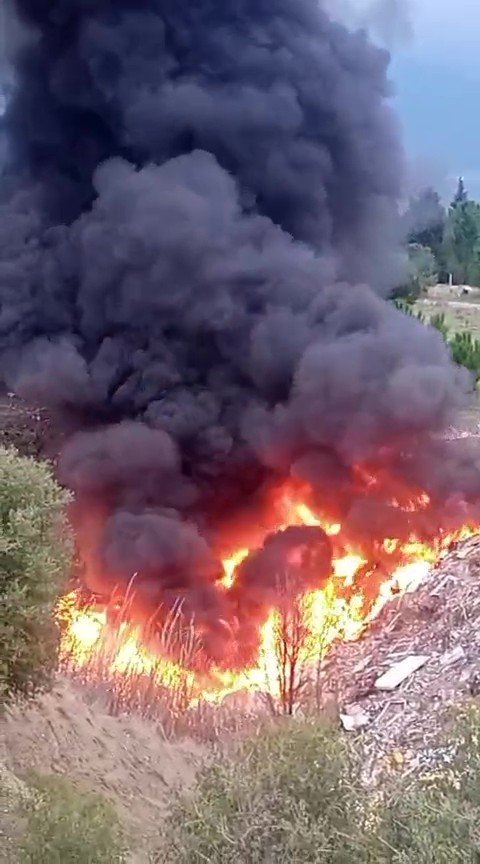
x=66, y=826
x=35, y=550
x=466, y=351
x=406, y=306
x=439, y=322
x=292, y=794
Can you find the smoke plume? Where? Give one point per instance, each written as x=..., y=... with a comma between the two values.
x=197, y=228
x=388, y=21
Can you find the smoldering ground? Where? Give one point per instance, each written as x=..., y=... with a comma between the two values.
x=198, y=225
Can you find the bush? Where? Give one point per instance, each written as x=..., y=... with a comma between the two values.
x=35, y=550
x=439, y=322
x=292, y=794
x=422, y=269
x=465, y=350
x=408, y=308
x=66, y=826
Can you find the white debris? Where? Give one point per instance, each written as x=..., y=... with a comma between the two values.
x=453, y=656
x=362, y=665
x=463, y=553
x=400, y=671
x=355, y=718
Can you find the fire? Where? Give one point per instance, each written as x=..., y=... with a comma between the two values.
x=231, y=564
x=82, y=630
x=355, y=594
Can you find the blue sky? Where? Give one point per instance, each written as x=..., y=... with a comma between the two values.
x=437, y=80
x=436, y=72
x=438, y=106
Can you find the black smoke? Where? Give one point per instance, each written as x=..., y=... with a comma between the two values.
x=198, y=195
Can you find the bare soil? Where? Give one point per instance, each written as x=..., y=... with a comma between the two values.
x=461, y=310
x=125, y=758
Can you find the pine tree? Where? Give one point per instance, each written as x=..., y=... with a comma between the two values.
x=461, y=195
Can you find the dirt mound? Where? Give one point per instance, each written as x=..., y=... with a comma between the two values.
x=125, y=758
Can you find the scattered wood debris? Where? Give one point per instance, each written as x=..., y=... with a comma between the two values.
x=453, y=656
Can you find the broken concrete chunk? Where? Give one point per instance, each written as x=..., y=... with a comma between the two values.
x=400, y=671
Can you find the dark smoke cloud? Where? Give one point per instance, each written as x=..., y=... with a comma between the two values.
x=289, y=563
x=197, y=196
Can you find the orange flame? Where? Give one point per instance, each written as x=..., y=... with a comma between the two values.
x=340, y=610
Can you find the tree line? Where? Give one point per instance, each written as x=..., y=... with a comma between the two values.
x=443, y=243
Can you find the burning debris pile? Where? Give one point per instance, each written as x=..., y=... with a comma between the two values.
x=301, y=619
x=197, y=197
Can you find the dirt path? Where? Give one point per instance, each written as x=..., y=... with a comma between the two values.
x=453, y=304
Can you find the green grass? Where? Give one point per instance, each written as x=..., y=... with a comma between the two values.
x=67, y=826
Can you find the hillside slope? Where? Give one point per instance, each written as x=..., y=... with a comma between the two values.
x=126, y=759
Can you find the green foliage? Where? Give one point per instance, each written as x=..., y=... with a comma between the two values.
x=408, y=309
x=35, y=550
x=464, y=347
x=424, y=224
x=440, y=243
x=422, y=268
x=422, y=272
x=66, y=826
x=462, y=238
x=292, y=794
x=466, y=351
x=440, y=324
x=461, y=194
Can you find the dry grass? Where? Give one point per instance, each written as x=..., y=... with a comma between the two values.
x=462, y=311
x=174, y=684
x=266, y=792
x=159, y=685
